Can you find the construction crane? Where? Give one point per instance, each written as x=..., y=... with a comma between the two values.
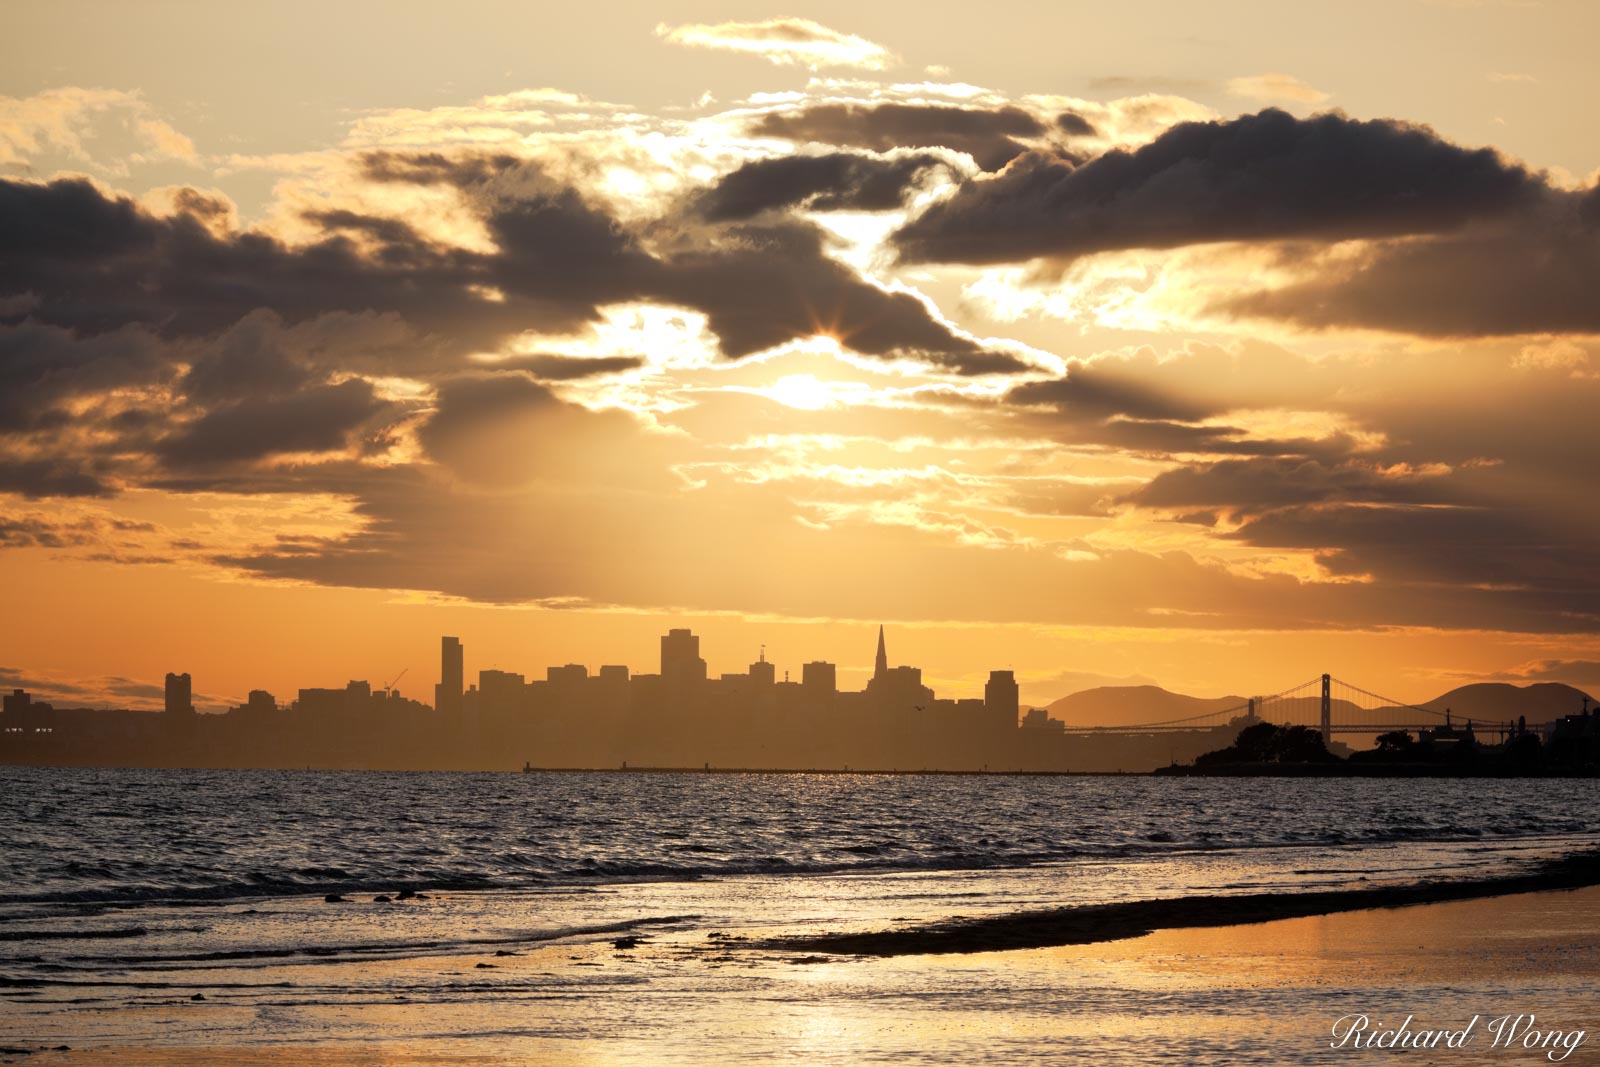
x=390, y=687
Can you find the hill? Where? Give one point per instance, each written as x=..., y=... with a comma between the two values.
x=1124, y=705
x=1502, y=701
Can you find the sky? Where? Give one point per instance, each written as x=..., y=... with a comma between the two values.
x=1210, y=346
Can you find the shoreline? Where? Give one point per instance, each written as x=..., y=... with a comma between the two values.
x=1091, y=924
x=1442, y=962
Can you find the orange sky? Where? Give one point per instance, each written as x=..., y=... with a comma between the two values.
x=1113, y=347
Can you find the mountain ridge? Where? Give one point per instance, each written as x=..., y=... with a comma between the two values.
x=1126, y=705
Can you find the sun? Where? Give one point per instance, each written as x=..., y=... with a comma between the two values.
x=803, y=391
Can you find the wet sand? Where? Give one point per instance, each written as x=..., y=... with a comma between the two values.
x=1262, y=992
x=1111, y=922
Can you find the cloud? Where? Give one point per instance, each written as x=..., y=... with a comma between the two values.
x=1275, y=88
x=759, y=284
x=553, y=367
x=36, y=531
x=1534, y=272
x=316, y=419
x=763, y=285
x=1260, y=484
x=1102, y=390
x=506, y=430
x=59, y=476
x=64, y=121
x=1578, y=673
x=989, y=135
x=835, y=181
x=1262, y=177
x=783, y=41
x=43, y=368
x=93, y=262
x=1074, y=124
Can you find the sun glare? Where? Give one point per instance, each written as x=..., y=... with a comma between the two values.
x=803, y=391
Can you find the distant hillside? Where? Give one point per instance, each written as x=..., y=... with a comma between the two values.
x=1501, y=701
x=1125, y=705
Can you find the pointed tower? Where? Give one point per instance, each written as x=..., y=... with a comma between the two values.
x=882, y=668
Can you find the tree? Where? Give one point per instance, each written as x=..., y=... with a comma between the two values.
x=1396, y=741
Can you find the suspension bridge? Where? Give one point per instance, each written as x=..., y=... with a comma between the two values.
x=1326, y=704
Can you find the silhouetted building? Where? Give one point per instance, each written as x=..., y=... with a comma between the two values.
x=680, y=658
x=16, y=704
x=570, y=717
x=23, y=714
x=1000, y=700
x=820, y=677
x=452, y=675
x=763, y=673
x=259, y=704
x=1040, y=719
x=180, y=695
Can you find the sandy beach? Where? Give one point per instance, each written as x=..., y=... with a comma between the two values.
x=1267, y=992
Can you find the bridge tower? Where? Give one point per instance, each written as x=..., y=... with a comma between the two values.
x=1327, y=709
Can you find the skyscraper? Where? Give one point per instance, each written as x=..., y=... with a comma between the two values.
x=447, y=694
x=819, y=676
x=680, y=657
x=881, y=671
x=180, y=695
x=1000, y=699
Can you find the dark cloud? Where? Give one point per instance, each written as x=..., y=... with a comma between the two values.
x=1262, y=177
x=1537, y=272
x=988, y=135
x=760, y=286
x=1095, y=391
x=254, y=357
x=504, y=429
x=836, y=181
x=96, y=262
x=32, y=531
x=317, y=419
x=552, y=367
x=1264, y=483
x=436, y=168
x=96, y=293
x=28, y=532
x=43, y=366
x=54, y=476
x=1074, y=124
x=1533, y=561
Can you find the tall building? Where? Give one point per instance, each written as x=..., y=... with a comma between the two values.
x=819, y=676
x=447, y=694
x=762, y=672
x=680, y=657
x=180, y=695
x=880, y=671
x=1000, y=700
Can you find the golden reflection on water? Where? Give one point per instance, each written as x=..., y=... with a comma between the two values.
x=1216, y=996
